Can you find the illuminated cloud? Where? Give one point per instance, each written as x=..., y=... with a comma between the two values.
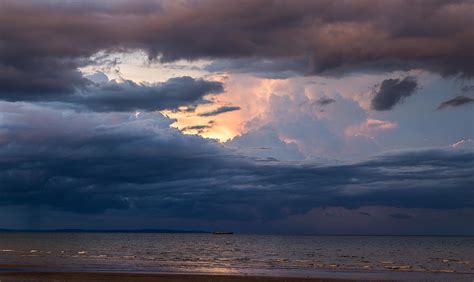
x=369, y=128
x=463, y=144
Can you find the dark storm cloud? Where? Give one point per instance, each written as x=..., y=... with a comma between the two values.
x=38, y=78
x=91, y=162
x=392, y=92
x=323, y=101
x=219, y=111
x=276, y=68
x=129, y=96
x=43, y=43
x=456, y=102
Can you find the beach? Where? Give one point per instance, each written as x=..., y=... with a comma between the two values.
x=179, y=277
x=98, y=276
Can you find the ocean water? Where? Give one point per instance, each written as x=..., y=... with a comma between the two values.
x=447, y=258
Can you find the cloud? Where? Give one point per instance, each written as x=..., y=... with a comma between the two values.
x=39, y=79
x=275, y=68
x=323, y=101
x=197, y=128
x=219, y=111
x=129, y=96
x=392, y=92
x=91, y=163
x=291, y=111
x=467, y=88
x=39, y=59
x=108, y=141
x=82, y=152
x=369, y=128
x=62, y=83
x=462, y=144
x=456, y=102
x=265, y=144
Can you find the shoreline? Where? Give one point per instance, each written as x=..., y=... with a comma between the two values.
x=15, y=275
x=165, y=277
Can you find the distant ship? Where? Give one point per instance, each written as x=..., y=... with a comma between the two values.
x=222, y=233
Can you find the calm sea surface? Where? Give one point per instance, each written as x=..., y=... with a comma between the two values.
x=319, y=256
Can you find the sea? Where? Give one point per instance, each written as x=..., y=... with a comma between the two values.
x=358, y=257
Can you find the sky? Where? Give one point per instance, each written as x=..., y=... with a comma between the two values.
x=252, y=116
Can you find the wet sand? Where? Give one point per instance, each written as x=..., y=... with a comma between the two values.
x=100, y=276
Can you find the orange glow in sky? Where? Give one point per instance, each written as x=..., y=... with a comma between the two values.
x=251, y=96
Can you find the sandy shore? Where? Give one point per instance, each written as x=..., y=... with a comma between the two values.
x=86, y=276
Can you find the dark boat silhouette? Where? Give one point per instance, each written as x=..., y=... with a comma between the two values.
x=222, y=233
